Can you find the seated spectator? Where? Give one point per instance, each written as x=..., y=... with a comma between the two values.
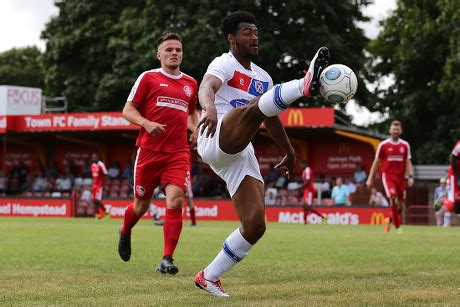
x=114, y=171
x=86, y=195
x=270, y=196
x=377, y=199
x=272, y=175
x=39, y=183
x=3, y=182
x=281, y=182
x=63, y=183
x=360, y=175
x=439, y=189
x=339, y=193
x=324, y=187
x=350, y=185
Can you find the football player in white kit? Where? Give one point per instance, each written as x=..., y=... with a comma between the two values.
x=237, y=96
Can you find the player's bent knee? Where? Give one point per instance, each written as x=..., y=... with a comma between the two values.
x=175, y=203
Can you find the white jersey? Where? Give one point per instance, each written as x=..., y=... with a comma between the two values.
x=239, y=85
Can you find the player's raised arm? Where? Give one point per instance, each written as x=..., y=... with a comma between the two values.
x=131, y=114
x=206, y=96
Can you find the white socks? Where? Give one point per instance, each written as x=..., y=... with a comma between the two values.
x=277, y=99
x=235, y=248
x=447, y=219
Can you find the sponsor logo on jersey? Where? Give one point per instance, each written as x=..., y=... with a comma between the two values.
x=163, y=84
x=247, y=84
x=401, y=150
x=140, y=190
x=188, y=91
x=239, y=102
x=174, y=103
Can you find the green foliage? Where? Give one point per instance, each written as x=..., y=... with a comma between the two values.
x=96, y=49
x=420, y=48
x=20, y=66
x=75, y=262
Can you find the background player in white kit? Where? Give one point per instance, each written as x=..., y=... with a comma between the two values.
x=237, y=97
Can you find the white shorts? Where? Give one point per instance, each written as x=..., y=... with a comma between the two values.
x=231, y=168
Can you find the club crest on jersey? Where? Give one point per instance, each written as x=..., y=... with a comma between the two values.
x=140, y=190
x=188, y=91
x=259, y=87
x=241, y=81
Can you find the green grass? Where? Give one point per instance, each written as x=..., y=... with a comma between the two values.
x=75, y=262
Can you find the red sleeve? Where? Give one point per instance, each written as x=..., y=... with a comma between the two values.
x=380, y=152
x=139, y=91
x=193, y=100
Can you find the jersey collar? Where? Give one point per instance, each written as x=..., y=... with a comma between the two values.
x=167, y=74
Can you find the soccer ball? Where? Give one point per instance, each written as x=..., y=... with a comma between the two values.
x=338, y=83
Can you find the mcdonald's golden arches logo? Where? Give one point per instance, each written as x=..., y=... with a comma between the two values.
x=377, y=218
x=344, y=148
x=295, y=117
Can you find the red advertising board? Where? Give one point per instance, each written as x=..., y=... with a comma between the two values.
x=308, y=117
x=69, y=122
x=222, y=210
x=35, y=207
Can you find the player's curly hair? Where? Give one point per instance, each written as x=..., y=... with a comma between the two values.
x=230, y=23
x=168, y=36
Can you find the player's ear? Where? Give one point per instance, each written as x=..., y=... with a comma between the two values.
x=158, y=55
x=230, y=38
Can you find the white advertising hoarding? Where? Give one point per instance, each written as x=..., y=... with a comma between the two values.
x=20, y=100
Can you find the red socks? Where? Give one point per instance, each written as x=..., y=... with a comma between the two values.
x=192, y=215
x=394, y=214
x=171, y=230
x=305, y=215
x=129, y=221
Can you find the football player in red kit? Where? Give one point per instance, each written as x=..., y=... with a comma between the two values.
x=99, y=172
x=393, y=157
x=309, y=190
x=162, y=102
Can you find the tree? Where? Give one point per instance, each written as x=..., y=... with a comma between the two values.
x=419, y=48
x=96, y=49
x=20, y=66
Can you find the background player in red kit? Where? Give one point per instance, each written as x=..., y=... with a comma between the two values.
x=394, y=157
x=451, y=204
x=99, y=172
x=309, y=190
x=162, y=102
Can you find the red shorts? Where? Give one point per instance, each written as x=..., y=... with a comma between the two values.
x=97, y=192
x=153, y=168
x=394, y=185
x=308, y=195
x=448, y=204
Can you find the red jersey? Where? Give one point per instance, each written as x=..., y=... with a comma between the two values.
x=307, y=175
x=166, y=99
x=393, y=156
x=99, y=172
x=456, y=153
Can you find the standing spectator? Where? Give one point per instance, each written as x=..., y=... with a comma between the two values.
x=440, y=189
x=114, y=170
x=99, y=172
x=339, y=193
x=393, y=154
x=360, y=175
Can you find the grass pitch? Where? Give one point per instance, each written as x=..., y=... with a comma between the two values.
x=75, y=262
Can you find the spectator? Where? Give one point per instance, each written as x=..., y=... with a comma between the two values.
x=114, y=170
x=63, y=183
x=272, y=175
x=339, y=193
x=3, y=182
x=281, y=182
x=39, y=183
x=270, y=197
x=324, y=187
x=128, y=172
x=377, y=199
x=440, y=189
x=350, y=185
x=360, y=175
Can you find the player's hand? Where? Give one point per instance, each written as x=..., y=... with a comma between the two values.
x=193, y=138
x=209, y=121
x=287, y=165
x=410, y=182
x=153, y=128
x=369, y=183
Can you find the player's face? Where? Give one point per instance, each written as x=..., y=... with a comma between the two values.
x=395, y=131
x=247, y=39
x=170, y=53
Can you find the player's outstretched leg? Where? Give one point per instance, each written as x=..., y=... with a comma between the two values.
x=240, y=125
